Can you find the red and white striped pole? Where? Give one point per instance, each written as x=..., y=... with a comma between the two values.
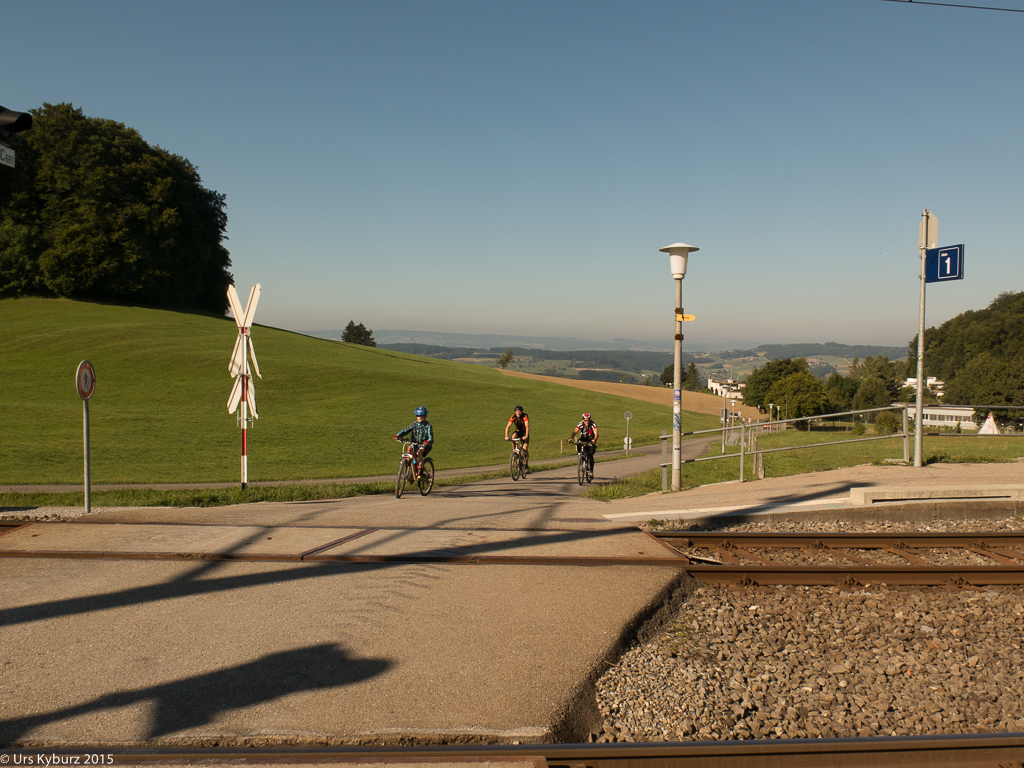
x=245, y=411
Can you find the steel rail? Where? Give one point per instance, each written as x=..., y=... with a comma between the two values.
x=987, y=750
x=761, y=570
x=857, y=540
x=670, y=562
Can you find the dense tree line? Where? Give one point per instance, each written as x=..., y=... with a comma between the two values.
x=788, y=383
x=434, y=350
x=93, y=211
x=629, y=360
x=979, y=354
x=831, y=348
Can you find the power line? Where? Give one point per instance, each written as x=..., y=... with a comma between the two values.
x=957, y=5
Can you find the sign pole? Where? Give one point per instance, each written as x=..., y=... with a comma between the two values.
x=928, y=238
x=85, y=428
x=85, y=379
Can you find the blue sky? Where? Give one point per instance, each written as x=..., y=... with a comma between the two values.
x=514, y=167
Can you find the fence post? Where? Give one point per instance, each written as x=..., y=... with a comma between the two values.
x=743, y=445
x=664, y=461
x=906, y=436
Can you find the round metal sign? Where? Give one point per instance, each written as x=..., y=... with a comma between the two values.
x=85, y=378
x=628, y=415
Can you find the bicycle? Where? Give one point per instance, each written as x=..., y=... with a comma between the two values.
x=517, y=466
x=584, y=472
x=424, y=482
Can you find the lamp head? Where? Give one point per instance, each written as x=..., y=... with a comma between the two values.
x=677, y=255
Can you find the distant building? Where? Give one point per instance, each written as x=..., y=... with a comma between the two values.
x=934, y=385
x=946, y=416
x=728, y=388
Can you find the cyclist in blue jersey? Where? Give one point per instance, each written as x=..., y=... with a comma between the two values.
x=422, y=438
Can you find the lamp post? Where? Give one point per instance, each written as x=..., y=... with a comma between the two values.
x=677, y=256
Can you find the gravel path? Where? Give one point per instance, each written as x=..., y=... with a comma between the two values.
x=805, y=662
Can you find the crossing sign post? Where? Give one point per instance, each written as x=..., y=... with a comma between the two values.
x=243, y=393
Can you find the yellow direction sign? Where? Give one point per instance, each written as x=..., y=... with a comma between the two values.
x=684, y=318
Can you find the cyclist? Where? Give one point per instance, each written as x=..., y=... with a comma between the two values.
x=521, y=422
x=422, y=439
x=587, y=431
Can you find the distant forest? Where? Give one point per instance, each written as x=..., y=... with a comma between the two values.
x=621, y=360
x=782, y=351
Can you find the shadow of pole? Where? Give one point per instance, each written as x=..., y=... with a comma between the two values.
x=195, y=701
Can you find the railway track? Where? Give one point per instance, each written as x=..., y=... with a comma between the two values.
x=956, y=751
x=976, y=559
x=852, y=559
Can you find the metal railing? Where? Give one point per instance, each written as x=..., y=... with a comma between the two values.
x=761, y=427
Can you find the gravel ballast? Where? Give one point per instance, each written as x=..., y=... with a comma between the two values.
x=807, y=662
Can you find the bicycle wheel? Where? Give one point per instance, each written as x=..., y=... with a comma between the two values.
x=403, y=470
x=426, y=478
x=515, y=465
x=581, y=469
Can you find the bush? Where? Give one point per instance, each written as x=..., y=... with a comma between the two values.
x=859, y=428
x=888, y=423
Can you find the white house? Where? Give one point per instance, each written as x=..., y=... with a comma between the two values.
x=728, y=388
x=946, y=416
x=934, y=385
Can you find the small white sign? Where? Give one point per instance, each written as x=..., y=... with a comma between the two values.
x=627, y=443
x=6, y=156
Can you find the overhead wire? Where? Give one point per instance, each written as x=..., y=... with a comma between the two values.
x=957, y=5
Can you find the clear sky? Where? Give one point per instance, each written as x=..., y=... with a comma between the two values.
x=514, y=167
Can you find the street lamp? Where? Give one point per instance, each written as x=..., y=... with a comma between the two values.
x=677, y=256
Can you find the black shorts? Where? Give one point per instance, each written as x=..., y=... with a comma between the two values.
x=526, y=440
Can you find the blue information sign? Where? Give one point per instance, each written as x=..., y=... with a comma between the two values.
x=941, y=264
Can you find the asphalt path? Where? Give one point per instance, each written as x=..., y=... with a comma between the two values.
x=117, y=650
x=650, y=453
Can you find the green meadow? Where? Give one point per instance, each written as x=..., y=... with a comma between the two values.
x=326, y=409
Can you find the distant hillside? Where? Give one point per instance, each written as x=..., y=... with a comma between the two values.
x=831, y=349
x=482, y=341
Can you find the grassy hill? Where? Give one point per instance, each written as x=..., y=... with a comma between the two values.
x=326, y=409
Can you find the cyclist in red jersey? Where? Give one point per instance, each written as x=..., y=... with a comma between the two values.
x=587, y=431
x=521, y=422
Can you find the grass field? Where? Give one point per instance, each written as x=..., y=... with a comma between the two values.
x=327, y=410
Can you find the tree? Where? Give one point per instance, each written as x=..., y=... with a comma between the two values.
x=358, y=334
x=872, y=393
x=690, y=377
x=988, y=380
x=693, y=378
x=761, y=380
x=506, y=359
x=801, y=394
x=93, y=211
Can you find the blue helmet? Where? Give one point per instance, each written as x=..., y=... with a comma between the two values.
x=421, y=411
